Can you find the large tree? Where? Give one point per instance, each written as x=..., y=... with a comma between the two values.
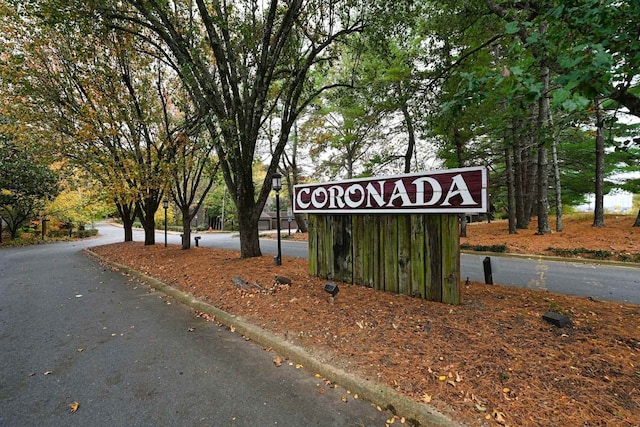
x=97, y=101
x=238, y=61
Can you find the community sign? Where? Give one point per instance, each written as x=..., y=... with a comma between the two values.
x=442, y=191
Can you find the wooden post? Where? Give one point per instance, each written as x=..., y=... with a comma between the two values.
x=404, y=254
x=450, y=259
x=313, y=244
x=390, y=254
x=418, y=257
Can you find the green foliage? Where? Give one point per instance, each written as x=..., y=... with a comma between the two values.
x=25, y=185
x=484, y=248
x=592, y=253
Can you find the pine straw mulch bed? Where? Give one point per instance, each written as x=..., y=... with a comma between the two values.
x=492, y=360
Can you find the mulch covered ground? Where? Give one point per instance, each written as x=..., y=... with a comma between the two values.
x=492, y=360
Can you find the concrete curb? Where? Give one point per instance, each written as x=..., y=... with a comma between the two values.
x=378, y=394
x=553, y=258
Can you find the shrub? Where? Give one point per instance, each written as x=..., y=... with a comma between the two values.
x=85, y=233
x=485, y=248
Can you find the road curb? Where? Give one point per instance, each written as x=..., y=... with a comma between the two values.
x=553, y=258
x=376, y=393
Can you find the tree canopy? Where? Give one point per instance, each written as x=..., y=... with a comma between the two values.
x=148, y=95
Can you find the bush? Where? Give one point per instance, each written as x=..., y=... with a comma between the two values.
x=593, y=253
x=485, y=248
x=82, y=234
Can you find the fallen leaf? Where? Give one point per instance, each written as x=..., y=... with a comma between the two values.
x=32, y=374
x=48, y=372
x=277, y=361
x=458, y=377
x=499, y=417
x=317, y=375
x=232, y=328
x=80, y=350
x=191, y=329
x=355, y=396
x=426, y=398
x=320, y=390
x=360, y=324
x=442, y=378
x=391, y=421
x=73, y=407
x=299, y=366
x=480, y=408
x=344, y=399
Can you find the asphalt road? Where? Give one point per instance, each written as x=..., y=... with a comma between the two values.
x=597, y=280
x=74, y=331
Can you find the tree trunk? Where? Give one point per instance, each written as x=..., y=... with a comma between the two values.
x=637, y=223
x=543, y=192
x=249, y=237
x=186, y=228
x=127, y=214
x=412, y=138
x=291, y=163
x=459, y=144
x=530, y=174
x=511, y=202
x=463, y=225
x=543, y=159
x=519, y=169
x=558, y=184
x=598, y=212
x=146, y=211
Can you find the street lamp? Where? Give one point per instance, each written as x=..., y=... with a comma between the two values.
x=165, y=206
x=276, y=184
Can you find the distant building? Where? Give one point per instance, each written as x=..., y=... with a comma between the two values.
x=617, y=201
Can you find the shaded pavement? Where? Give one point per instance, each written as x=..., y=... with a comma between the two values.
x=72, y=330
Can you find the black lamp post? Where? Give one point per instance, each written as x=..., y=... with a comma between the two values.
x=276, y=184
x=165, y=206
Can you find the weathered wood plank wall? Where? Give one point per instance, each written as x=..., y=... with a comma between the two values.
x=416, y=255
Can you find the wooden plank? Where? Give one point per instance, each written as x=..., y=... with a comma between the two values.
x=390, y=254
x=418, y=260
x=322, y=227
x=357, y=255
x=450, y=259
x=433, y=253
x=369, y=250
x=377, y=247
x=342, y=248
x=313, y=245
x=405, y=243
x=328, y=252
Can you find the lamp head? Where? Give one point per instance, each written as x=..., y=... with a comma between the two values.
x=331, y=288
x=276, y=182
x=165, y=204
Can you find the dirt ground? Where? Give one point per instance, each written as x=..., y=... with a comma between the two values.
x=492, y=360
